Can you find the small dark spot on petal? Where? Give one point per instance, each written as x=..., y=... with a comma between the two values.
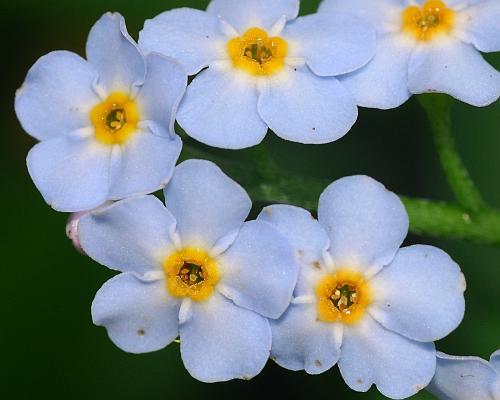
x=295, y=69
x=317, y=363
x=360, y=381
x=313, y=128
x=141, y=332
x=388, y=305
x=300, y=253
x=316, y=264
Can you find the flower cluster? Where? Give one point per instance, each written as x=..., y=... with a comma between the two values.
x=308, y=293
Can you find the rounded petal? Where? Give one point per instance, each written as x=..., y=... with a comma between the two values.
x=162, y=91
x=308, y=239
x=302, y=107
x=366, y=222
x=454, y=68
x=259, y=271
x=207, y=204
x=383, y=83
x=220, y=109
x=384, y=15
x=462, y=378
x=57, y=96
x=146, y=164
x=302, y=342
x=221, y=341
x=331, y=44
x=420, y=294
x=140, y=316
x=192, y=37
x=72, y=174
x=399, y=367
x=245, y=14
x=482, y=27
x=495, y=361
x=114, y=54
x=130, y=235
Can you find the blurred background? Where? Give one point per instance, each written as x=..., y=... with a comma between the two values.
x=48, y=344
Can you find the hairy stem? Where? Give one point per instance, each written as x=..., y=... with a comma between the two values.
x=268, y=184
x=437, y=108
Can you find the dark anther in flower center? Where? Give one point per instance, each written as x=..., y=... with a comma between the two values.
x=191, y=274
x=428, y=22
x=116, y=119
x=259, y=52
x=344, y=296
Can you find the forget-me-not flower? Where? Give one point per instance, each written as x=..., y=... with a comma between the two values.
x=266, y=68
x=425, y=46
x=195, y=270
x=360, y=300
x=466, y=378
x=106, y=125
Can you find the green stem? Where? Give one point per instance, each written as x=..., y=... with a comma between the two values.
x=429, y=218
x=437, y=108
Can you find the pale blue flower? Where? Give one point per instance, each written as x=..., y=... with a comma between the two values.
x=435, y=51
x=360, y=300
x=106, y=125
x=194, y=269
x=266, y=68
x=466, y=378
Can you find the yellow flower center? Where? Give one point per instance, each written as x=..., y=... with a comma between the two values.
x=425, y=22
x=257, y=53
x=115, y=119
x=191, y=272
x=343, y=297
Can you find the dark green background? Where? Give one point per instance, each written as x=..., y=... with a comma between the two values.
x=49, y=346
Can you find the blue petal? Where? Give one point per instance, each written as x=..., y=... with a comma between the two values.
x=220, y=109
x=146, y=164
x=463, y=378
x=332, y=44
x=259, y=271
x=420, y=294
x=302, y=107
x=302, y=342
x=114, y=54
x=483, y=27
x=495, y=360
x=245, y=14
x=221, y=341
x=192, y=37
x=383, y=83
x=57, y=95
x=398, y=366
x=130, y=235
x=454, y=68
x=71, y=173
x=207, y=204
x=162, y=91
x=140, y=316
x=308, y=239
x=366, y=222
x=384, y=15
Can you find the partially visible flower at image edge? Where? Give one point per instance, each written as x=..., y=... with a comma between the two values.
x=106, y=125
x=266, y=69
x=360, y=300
x=466, y=378
x=425, y=46
x=192, y=269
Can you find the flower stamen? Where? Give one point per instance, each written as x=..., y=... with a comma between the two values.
x=115, y=119
x=424, y=23
x=342, y=297
x=191, y=272
x=257, y=53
